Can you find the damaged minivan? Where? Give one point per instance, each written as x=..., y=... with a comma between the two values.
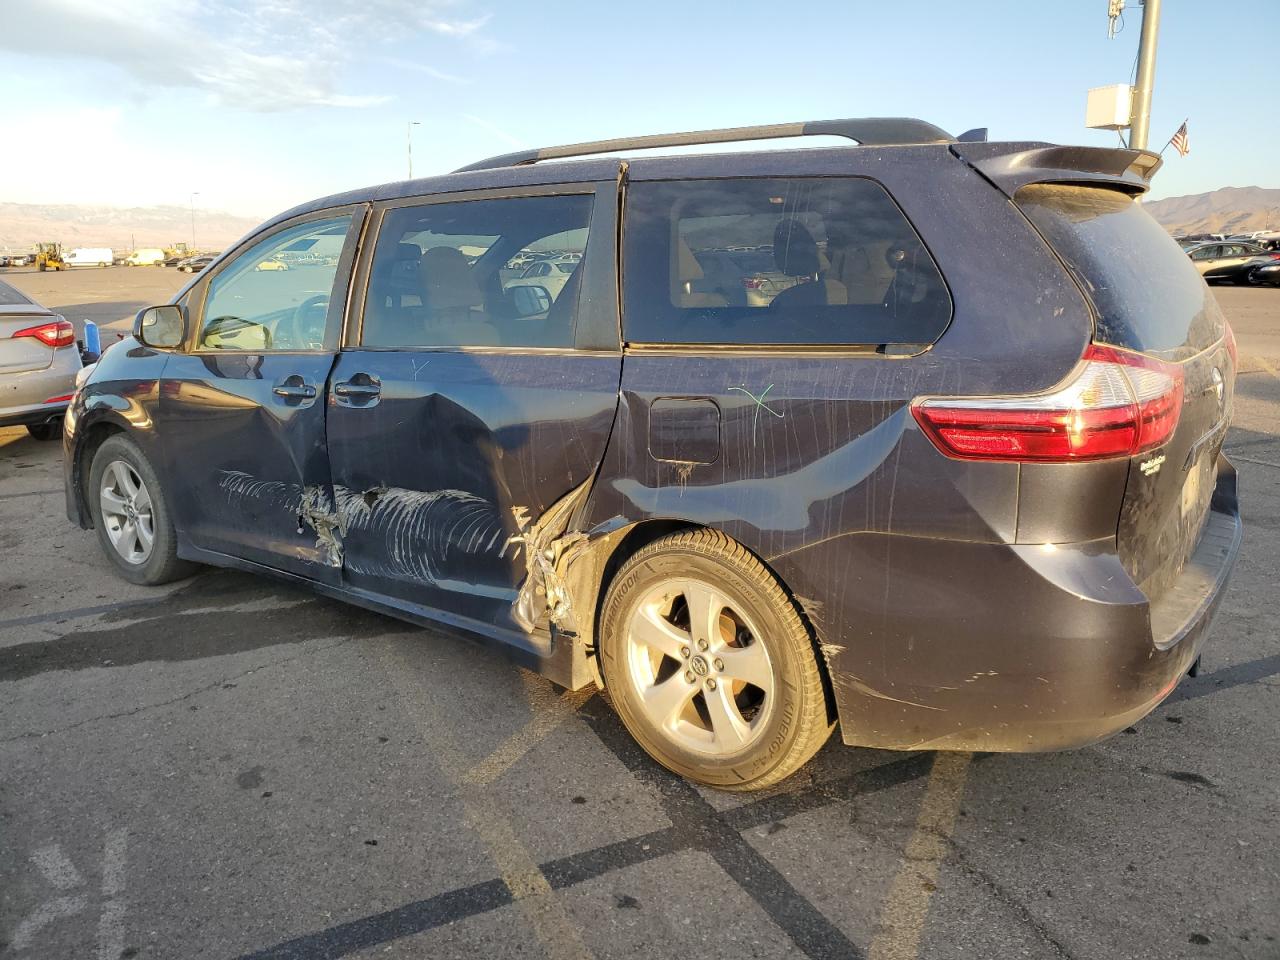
x=918, y=437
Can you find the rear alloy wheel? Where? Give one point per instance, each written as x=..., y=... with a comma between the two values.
x=709, y=665
x=131, y=515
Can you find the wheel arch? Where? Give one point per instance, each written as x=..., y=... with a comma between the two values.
x=613, y=550
x=89, y=438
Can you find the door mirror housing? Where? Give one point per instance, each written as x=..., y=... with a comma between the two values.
x=530, y=301
x=163, y=327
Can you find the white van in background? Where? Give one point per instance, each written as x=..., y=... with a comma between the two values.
x=89, y=257
x=146, y=257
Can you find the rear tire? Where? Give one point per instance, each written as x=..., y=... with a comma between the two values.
x=131, y=515
x=709, y=665
x=50, y=430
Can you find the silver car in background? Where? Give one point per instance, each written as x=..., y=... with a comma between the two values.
x=39, y=360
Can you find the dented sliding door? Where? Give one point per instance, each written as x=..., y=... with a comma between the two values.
x=475, y=401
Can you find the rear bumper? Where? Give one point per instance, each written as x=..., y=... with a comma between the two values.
x=33, y=415
x=997, y=647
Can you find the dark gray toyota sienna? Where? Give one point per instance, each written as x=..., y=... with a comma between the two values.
x=920, y=436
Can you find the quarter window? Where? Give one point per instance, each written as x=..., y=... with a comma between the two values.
x=279, y=294
x=776, y=261
x=478, y=273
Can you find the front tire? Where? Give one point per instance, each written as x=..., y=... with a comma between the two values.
x=131, y=515
x=709, y=665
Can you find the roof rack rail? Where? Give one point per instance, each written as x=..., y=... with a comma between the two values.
x=868, y=131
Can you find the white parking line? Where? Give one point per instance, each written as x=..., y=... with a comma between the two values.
x=56, y=867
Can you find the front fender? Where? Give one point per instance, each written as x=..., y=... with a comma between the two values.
x=121, y=395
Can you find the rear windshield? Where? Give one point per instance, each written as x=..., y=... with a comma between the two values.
x=1145, y=291
x=10, y=297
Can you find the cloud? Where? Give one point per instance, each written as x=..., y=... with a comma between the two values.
x=430, y=71
x=496, y=130
x=263, y=56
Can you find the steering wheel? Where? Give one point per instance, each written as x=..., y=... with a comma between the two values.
x=305, y=327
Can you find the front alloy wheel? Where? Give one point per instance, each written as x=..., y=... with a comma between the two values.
x=127, y=512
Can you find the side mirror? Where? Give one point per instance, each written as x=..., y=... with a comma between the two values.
x=530, y=301
x=163, y=328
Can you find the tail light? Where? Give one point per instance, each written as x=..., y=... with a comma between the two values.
x=59, y=333
x=1230, y=337
x=1116, y=404
x=753, y=283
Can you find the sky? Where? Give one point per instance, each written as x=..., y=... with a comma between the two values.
x=257, y=105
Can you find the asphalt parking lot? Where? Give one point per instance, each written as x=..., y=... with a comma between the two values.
x=231, y=768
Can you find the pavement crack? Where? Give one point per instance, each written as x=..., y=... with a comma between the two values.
x=36, y=734
x=999, y=893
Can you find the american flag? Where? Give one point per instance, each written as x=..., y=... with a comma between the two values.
x=1179, y=140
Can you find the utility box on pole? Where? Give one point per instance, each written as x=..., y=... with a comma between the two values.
x=1109, y=108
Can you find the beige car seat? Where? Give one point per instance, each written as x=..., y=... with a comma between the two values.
x=452, y=300
x=796, y=254
x=864, y=270
x=685, y=276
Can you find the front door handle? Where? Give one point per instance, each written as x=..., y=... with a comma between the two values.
x=360, y=389
x=294, y=388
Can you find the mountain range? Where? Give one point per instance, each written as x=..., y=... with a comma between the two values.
x=122, y=228
x=1227, y=210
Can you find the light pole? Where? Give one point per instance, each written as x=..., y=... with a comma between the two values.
x=408, y=141
x=192, y=200
x=1140, y=118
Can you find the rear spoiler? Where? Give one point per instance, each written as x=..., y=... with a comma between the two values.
x=1011, y=166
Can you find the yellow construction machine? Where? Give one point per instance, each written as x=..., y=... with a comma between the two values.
x=49, y=257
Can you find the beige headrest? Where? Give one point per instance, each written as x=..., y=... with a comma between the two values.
x=446, y=280
x=687, y=264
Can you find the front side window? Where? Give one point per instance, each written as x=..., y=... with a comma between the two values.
x=277, y=295
x=776, y=261
x=476, y=273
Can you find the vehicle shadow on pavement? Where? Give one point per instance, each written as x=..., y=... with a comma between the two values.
x=213, y=615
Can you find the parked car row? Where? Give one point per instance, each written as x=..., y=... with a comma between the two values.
x=525, y=258
x=197, y=263
x=1234, y=262
x=105, y=257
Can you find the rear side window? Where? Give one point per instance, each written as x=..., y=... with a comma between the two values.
x=802, y=261
x=1145, y=291
x=478, y=273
